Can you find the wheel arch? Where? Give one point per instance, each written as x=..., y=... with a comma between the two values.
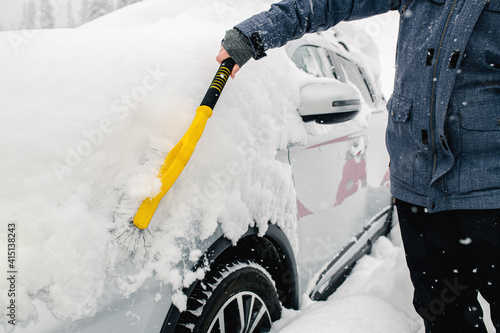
x=272, y=250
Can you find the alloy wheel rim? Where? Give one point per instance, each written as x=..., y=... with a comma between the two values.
x=244, y=312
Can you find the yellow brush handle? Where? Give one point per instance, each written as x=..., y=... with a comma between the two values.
x=174, y=164
x=178, y=157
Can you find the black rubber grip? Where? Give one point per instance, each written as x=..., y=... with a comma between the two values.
x=218, y=83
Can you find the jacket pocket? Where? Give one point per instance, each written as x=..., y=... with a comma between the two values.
x=399, y=140
x=406, y=5
x=479, y=159
x=399, y=108
x=493, y=5
x=482, y=116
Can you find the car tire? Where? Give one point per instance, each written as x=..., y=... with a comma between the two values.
x=235, y=295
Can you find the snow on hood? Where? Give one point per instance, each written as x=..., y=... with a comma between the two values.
x=87, y=117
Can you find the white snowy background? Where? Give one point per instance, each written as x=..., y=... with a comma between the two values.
x=78, y=109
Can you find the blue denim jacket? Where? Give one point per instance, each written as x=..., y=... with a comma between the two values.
x=443, y=132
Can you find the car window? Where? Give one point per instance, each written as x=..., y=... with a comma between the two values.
x=315, y=61
x=354, y=76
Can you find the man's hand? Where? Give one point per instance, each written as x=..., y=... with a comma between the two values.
x=224, y=55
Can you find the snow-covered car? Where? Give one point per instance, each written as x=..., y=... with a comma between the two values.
x=341, y=180
x=286, y=189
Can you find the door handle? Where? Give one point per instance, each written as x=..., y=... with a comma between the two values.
x=358, y=147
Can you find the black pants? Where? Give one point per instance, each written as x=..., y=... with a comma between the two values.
x=451, y=256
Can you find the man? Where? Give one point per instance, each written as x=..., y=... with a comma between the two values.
x=443, y=137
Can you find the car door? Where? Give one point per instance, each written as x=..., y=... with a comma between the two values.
x=330, y=178
x=378, y=192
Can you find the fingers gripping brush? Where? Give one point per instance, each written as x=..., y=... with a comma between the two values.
x=178, y=157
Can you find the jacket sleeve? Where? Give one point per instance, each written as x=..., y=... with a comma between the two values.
x=291, y=19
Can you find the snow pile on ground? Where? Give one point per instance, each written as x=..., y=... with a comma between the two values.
x=78, y=111
x=354, y=314
x=376, y=298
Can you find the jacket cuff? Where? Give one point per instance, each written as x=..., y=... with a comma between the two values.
x=240, y=48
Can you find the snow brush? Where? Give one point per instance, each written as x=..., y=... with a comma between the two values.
x=178, y=157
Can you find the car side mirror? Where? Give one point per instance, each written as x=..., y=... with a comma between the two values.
x=329, y=102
